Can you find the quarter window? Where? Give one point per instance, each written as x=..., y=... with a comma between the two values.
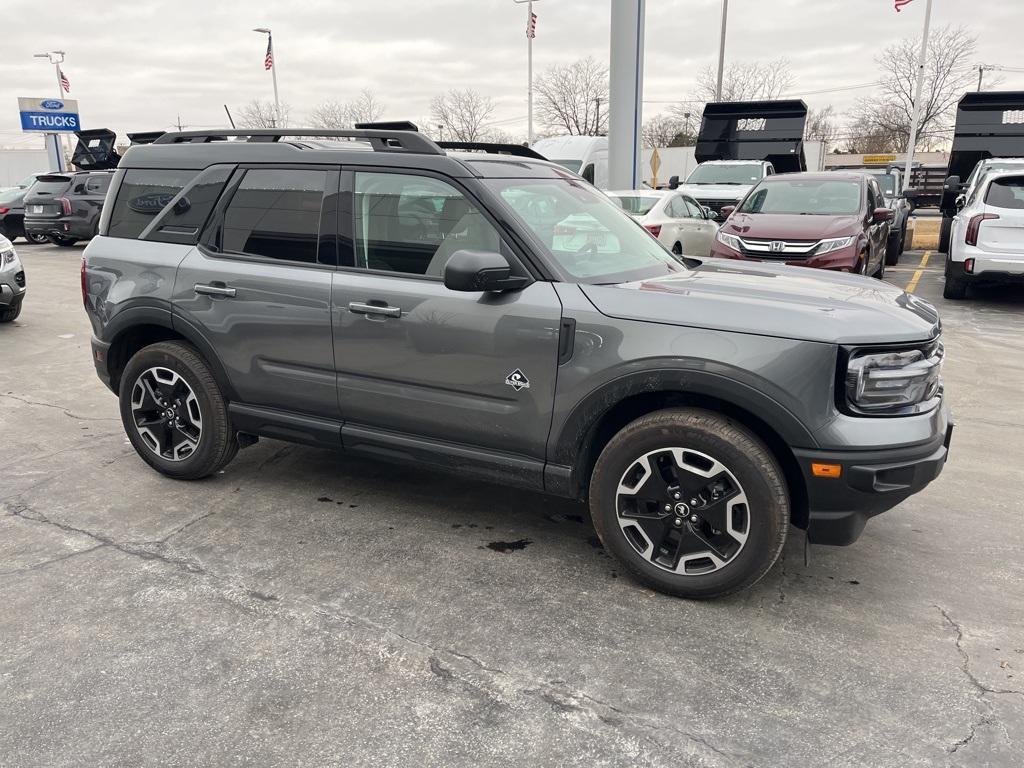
x=142, y=195
x=275, y=213
x=97, y=185
x=413, y=224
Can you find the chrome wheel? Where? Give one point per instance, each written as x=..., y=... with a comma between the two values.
x=166, y=414
x=683, y=511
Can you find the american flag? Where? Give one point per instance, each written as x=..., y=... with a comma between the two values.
x=268, y=61
x=64, y=82
x=901, y=3
x=531, y=27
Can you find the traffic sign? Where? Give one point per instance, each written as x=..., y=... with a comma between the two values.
x=49, y=115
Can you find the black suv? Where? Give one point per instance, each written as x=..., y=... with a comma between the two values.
x=66, y=207
x=492, y=314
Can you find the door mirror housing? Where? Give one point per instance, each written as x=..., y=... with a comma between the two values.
x=708, y=213
x=726, y=211
x=673, y=182
x=882, y=215
x=473, y=271
x=952, y=184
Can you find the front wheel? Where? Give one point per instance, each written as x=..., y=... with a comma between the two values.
x=690, y=502
x=174, y=413
x=10, y=313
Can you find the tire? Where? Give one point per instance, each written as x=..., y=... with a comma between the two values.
x=945, y=233
x=63, y=242
x=953, y=288
x=879, y=274
x=176, y=371
x=36, y=239
x=893, y=248
x=10, y=313
x=712, y=444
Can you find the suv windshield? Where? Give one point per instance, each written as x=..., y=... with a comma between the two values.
x=635, y=204
x=588, y=235
x=804, y=196
x=887, y=182
x=725, y=174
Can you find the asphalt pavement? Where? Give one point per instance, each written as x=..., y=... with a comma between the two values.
x=305, y=608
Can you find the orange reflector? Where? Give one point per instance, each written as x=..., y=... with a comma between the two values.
x=827, y=470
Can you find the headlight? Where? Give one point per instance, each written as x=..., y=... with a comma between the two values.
x=836, y=244
x=8, y=255
x=899, y=382
x=730, y=240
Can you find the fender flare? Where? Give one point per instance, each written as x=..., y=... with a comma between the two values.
x=568, y=446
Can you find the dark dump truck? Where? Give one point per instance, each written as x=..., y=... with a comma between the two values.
x=739, y=144
x=988, y=125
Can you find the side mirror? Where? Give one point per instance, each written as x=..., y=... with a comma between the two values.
x=726, y=211
x=480, y=271
x=673, y=182
x=708, y=212
x=882, y=215
x=952, y=184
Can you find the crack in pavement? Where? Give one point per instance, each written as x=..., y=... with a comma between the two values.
x=583, y=711
x=52, y=560
x=66, y=411
x=979, y=686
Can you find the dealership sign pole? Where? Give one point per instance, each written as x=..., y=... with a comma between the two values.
x=52, y=117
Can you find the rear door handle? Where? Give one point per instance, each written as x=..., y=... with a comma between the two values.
x=215, y=289
x=360, y=308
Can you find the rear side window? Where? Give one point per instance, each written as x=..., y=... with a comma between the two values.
x=1006, y=193
x=143, y=194
x=97, y=185
x=276, y=214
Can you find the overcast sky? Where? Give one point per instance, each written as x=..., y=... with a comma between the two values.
x=139, y=65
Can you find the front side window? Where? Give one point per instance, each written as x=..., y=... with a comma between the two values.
x=1007, y=192
x=590, y=237
x=694, y=210
x=275, y=213
x=413, y=224
x=804, y=197
x=142, y=195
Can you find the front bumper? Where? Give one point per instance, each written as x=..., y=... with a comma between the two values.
x=870, y=482
x=843, y=260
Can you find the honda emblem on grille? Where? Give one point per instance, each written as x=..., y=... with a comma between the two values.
x=777, y=246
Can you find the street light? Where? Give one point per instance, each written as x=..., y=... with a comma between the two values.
x=529, y=66
x=55, y=58
x=273, y=70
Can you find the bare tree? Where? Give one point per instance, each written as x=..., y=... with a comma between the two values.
x=867, y=138
x=573, y=98
x=365, y=108
x=463, y=114
x=261, y=114
x=666, y=131
x=746, y=81
x=822, y=126
x=949, y=73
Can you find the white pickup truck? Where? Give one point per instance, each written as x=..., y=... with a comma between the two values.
x=718, y=183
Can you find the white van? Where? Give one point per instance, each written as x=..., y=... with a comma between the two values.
x=585, y=155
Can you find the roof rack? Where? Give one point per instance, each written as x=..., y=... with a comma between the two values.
x=381, y=140
x=494, y=148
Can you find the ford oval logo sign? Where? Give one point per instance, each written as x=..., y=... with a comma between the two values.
x=152, y=203
x=51, y=104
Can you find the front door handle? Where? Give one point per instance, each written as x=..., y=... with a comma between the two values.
x=360, y=308
x=215, y=289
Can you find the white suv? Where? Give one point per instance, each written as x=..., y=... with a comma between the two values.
x=12, y=282
x=987, y=241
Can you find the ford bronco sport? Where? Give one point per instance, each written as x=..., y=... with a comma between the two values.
x=385, y=295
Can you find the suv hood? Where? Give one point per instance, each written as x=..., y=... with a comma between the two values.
x=773, y=300
x=730, y=192
x=779, y=226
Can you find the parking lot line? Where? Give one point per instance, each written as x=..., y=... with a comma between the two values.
x=920, y=271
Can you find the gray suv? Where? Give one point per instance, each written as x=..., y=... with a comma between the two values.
x=476, y=309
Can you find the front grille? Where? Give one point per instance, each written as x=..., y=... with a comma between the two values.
x=778, y=250
x=19, y=278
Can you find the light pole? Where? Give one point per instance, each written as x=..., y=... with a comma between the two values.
x=721, y=51
x=270, y=62
x=530, y=34
x=56, y=58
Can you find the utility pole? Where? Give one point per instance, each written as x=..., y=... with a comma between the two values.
x=530, y=34
x=597, y=118
x=721, y=51
x=55, y=140
x=273, y=71
x=915, y=122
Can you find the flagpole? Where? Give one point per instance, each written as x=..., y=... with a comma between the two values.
x=529, y=68
x=916, y=119
x=721, y=51
x=273, y=73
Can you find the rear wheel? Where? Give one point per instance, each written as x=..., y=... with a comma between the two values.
x=36, y=239
x=945, y=233
x=690, y=502
x=64, y=242
x=954, y=288
x=174, y=413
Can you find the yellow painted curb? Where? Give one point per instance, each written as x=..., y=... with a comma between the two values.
x=923, y=234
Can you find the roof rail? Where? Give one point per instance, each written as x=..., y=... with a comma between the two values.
x=380, y=140
x=493, y=148
x=146, y=137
